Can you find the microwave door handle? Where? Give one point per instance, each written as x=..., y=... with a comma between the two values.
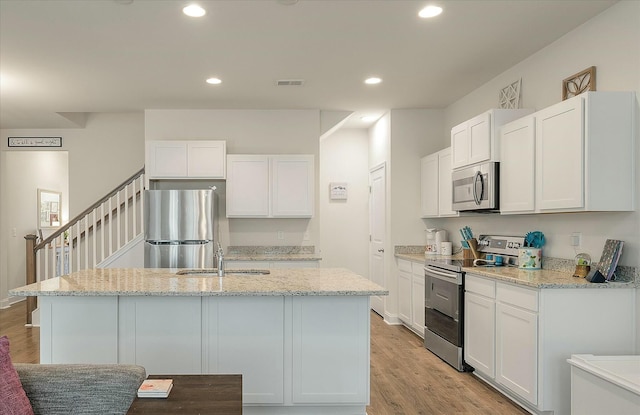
x=478, y=187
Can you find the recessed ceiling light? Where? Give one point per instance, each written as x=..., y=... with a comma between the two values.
x=430, y=11
x=214, y=81
x=372, y=81
x=193, y=10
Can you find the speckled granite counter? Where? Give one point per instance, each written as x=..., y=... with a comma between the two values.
x=541, y=278
x=271, y=253
x=562, y=277
x=165, y=282
x=271, y=257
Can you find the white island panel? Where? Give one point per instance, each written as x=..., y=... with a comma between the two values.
x=246, y=335
x=78, y=329
x=331, y=350
x=163, y=336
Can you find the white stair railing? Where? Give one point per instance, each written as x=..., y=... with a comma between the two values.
x=91, y=237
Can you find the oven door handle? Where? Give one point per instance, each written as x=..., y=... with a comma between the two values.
x=444, y=276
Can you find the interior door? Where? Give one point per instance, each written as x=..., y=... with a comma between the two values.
x=377, y=214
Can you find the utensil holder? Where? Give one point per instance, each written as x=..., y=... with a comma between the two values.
x=467, y=257
x=530, y=258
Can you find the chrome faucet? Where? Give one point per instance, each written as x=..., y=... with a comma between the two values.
x=220, y=258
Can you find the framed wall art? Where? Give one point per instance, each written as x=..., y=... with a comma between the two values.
x=34, y=142
x=49, y=209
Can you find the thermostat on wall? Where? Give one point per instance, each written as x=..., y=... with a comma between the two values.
x=338, y=191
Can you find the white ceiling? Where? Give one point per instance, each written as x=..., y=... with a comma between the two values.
x=73, y=56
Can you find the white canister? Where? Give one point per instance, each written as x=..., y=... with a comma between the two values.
x=431, y=247
x=530, y=258
x=441, y=236
x=446, y=248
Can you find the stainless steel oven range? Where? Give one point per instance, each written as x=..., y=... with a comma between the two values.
x=444, y=314
x=444, y=296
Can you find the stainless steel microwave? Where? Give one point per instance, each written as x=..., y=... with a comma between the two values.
x=476, y=187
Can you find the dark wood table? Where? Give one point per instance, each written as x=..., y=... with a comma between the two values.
x=195, y=394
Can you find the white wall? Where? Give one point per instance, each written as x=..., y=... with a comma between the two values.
x=610, y=42
x=104, y=153
x=345, y=223
x=249, y=132
x=40, y=170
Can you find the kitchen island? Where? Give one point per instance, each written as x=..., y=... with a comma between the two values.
x=299, y=337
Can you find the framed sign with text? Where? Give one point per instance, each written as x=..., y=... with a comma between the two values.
x=35, y=142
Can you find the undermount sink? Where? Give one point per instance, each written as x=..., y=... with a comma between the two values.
x=213, y=272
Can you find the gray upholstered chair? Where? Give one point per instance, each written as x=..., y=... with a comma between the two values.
x=79, y=388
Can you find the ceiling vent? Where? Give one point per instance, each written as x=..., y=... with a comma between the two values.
x=290, y=82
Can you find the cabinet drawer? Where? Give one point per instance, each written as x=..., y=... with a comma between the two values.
x=404, y=265
x=518, y=296
x=480, y=286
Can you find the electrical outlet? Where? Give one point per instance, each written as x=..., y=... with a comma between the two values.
x=576, y=239
x=305, y=237
x=280, y=235
x=14, y=232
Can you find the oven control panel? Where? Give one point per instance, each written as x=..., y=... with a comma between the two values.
x=500, y=244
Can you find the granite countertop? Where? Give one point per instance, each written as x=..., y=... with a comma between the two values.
x=542, y=278
x=271, y=253
x=165, y=282
x=271, y=257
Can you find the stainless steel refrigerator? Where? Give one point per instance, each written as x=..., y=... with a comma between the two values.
x=180, y=227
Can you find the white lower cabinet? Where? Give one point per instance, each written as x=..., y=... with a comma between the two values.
x=340, y=331
x=246, y=335
x=417, y=298
x=519, y=338
x=480, y=332
x=404, y=291
x=411, y=295
x=517, y=350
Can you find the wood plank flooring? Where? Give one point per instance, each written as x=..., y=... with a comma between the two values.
x=406, y=379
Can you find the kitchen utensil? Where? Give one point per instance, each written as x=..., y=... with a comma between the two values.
x=473, y=245
x=534, y=239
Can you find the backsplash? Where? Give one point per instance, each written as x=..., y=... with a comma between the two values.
x=270, y=250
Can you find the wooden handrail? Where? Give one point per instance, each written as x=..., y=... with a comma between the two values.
x=84, y=213
x=31, y=273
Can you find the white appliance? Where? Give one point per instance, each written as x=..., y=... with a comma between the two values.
x=435, y=237
x=179, y=228
x=475, y=187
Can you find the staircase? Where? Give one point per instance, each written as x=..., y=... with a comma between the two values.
x=90, y=239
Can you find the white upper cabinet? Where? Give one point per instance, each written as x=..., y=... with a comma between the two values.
x=574, y=156
x=517, y=166
x=270, y=186
x=476, y=140
x=436, y=192
x=199, y=159
x=292, y=186
x=429, y=182
x=248, y=186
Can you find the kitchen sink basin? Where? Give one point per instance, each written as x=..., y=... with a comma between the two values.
x=212, y=272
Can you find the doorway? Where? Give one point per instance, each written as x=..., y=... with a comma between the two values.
x=377, y=217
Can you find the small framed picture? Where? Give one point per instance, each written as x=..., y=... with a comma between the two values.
x=338, y=191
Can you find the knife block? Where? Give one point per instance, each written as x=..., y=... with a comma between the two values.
x=467, y=257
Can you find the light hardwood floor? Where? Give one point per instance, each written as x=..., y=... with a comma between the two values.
x=406, y=379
